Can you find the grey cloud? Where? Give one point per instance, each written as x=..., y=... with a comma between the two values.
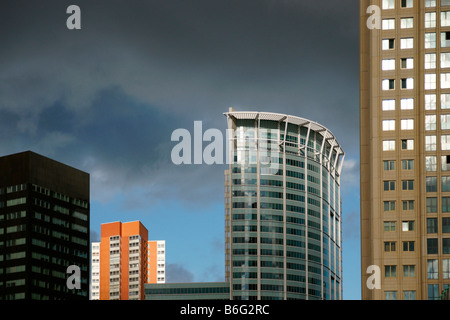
x=107, y=97
x=176, y=273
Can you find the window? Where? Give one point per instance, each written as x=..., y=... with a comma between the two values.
x=388, y=24
x=445, y=225
x=408, y=205
x=445, y=39
x=407, y=104
x=445, y=60
x=445, y=80
x=388, y=64
x=445, y=101
x=407, y=226
x=430, y=60
x=408, y=83
x=389, y=226
x=389, y=165
x=445, y=204
x=431, y=205
x=445, y=185
x=409, y=271
x=407, y=144
x=430, y=163
x=388, y=84
x=430, y=122
x=430, y=102
x=432, y=269
x=431, y=184
x=445, y=121
x=389, y=185
x=390, y=271
x=430, y=40
x=433, y=292
x=446, y=245
x=389, y=206
x=407, y=185
x=445, y=142
x=432, y=246
x=407, y=124
x=430, y=143
x=430, y=19
x=406, y=63
x=408, y=43
x=388, y=105
x=388, y=4
x=445, y=18
x=445, y=163
x=389, y=246
x=445, y=2
x=409, y=295
x=430, y=81
x=446, y=268
x=390, y=295
x=407, y=3
x=430, y=3
x=408, y=246
x=432, y=225
x=388, y=145
x=406, y=23
x=388, y=125
x=388, y=44
x=407, y=164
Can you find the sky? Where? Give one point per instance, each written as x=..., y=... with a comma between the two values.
x=106, y=98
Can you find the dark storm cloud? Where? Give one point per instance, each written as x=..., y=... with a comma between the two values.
x=106, y=98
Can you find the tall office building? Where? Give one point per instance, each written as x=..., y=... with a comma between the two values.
x=405, y=148
x=124, y=261
x=283, y=217
x=44, y=228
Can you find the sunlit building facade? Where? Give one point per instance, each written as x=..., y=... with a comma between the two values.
x=283, y=218
x=405, y=148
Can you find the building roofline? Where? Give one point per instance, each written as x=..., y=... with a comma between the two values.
x=272, y=116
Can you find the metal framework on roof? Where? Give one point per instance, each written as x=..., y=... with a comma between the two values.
x=301, y=122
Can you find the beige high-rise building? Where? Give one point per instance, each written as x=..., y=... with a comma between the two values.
x=405, y=148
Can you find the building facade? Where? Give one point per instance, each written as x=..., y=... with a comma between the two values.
x=44, y=228
x=124, y=261
x=156, y=261
x=405, y=148
x=282, y=208
x=188, y=291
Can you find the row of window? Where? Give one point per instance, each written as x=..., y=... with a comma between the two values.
x=431, y=206
x=390, y=4
x=408, y=103
x=408, y=124
x=60, y=196
x=391, y=226
x=409, y=246
x=430, y=82
x=430, y=143
x=390, y=185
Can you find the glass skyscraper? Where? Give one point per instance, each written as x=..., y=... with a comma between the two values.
x=283, y=208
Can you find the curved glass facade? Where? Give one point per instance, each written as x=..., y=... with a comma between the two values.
x=283, y=208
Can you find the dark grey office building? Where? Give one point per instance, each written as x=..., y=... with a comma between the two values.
x=44, y=228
